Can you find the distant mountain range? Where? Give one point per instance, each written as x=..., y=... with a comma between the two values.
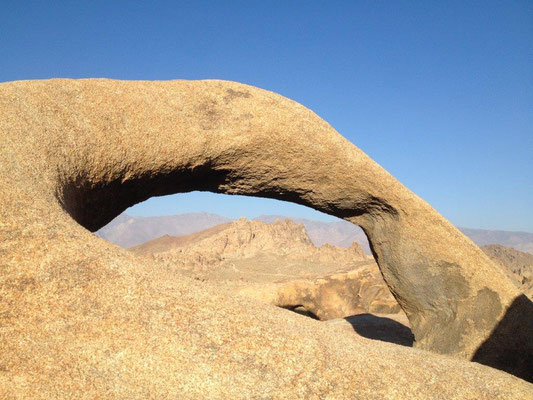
x=278, y=263
x=522, y=241
x=128, y=231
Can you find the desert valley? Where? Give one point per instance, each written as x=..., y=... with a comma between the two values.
x=304, y=267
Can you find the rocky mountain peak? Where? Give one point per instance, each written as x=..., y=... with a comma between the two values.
x=244, y=239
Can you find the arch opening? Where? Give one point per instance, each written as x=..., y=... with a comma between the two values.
x=216, y=208
x=174, y=137
x=341, y=268
x=101, y=146
x=94, y=203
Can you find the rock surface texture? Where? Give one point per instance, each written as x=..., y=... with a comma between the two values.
x=334, y=295
x=81, y=318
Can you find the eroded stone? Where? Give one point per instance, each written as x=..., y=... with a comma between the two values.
x=97, y=322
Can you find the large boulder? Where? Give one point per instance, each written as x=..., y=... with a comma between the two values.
x=81, y=318
x=334, y=295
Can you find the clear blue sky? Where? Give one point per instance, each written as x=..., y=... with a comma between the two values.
x=439, y=93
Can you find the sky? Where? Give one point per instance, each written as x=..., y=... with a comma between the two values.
x=438, y=93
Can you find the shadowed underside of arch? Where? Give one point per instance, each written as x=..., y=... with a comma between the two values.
x=91, y=148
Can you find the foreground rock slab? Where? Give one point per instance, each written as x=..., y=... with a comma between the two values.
x=335, y=295
x=80, y=318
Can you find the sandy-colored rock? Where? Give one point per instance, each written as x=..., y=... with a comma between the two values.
x=336, y=295
x=81, y=318
x=248, y=241
x=278, y=263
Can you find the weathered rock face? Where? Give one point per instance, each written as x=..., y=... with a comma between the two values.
x=244, y=240
x=82, y=318
x=330, y=296
x=278, y=264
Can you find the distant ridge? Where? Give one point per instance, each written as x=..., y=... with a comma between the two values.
x=337, y=233
x=521, y=241
x=277, y=263
x=517, y=264
x=128, y=231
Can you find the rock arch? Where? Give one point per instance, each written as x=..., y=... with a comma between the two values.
x=88, y=149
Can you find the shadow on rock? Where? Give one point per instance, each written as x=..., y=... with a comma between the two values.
x=510, y=346
x=381, y=328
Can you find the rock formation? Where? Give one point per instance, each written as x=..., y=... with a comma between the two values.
x=82, y=318
x=278, y=264
x=244, y=240
x=337, y=233
x=335, y=295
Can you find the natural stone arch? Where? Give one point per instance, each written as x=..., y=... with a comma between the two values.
x=96, y=147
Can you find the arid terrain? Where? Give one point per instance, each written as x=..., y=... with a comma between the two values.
x=128, y=231
x=83, y=318
x=517, y=264
x=278, y=263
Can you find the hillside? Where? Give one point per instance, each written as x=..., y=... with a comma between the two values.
x=337, y=233
x=244, y=240
x=517, y=264
x=127, y=231
x=277, y=263
x=521, y=241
